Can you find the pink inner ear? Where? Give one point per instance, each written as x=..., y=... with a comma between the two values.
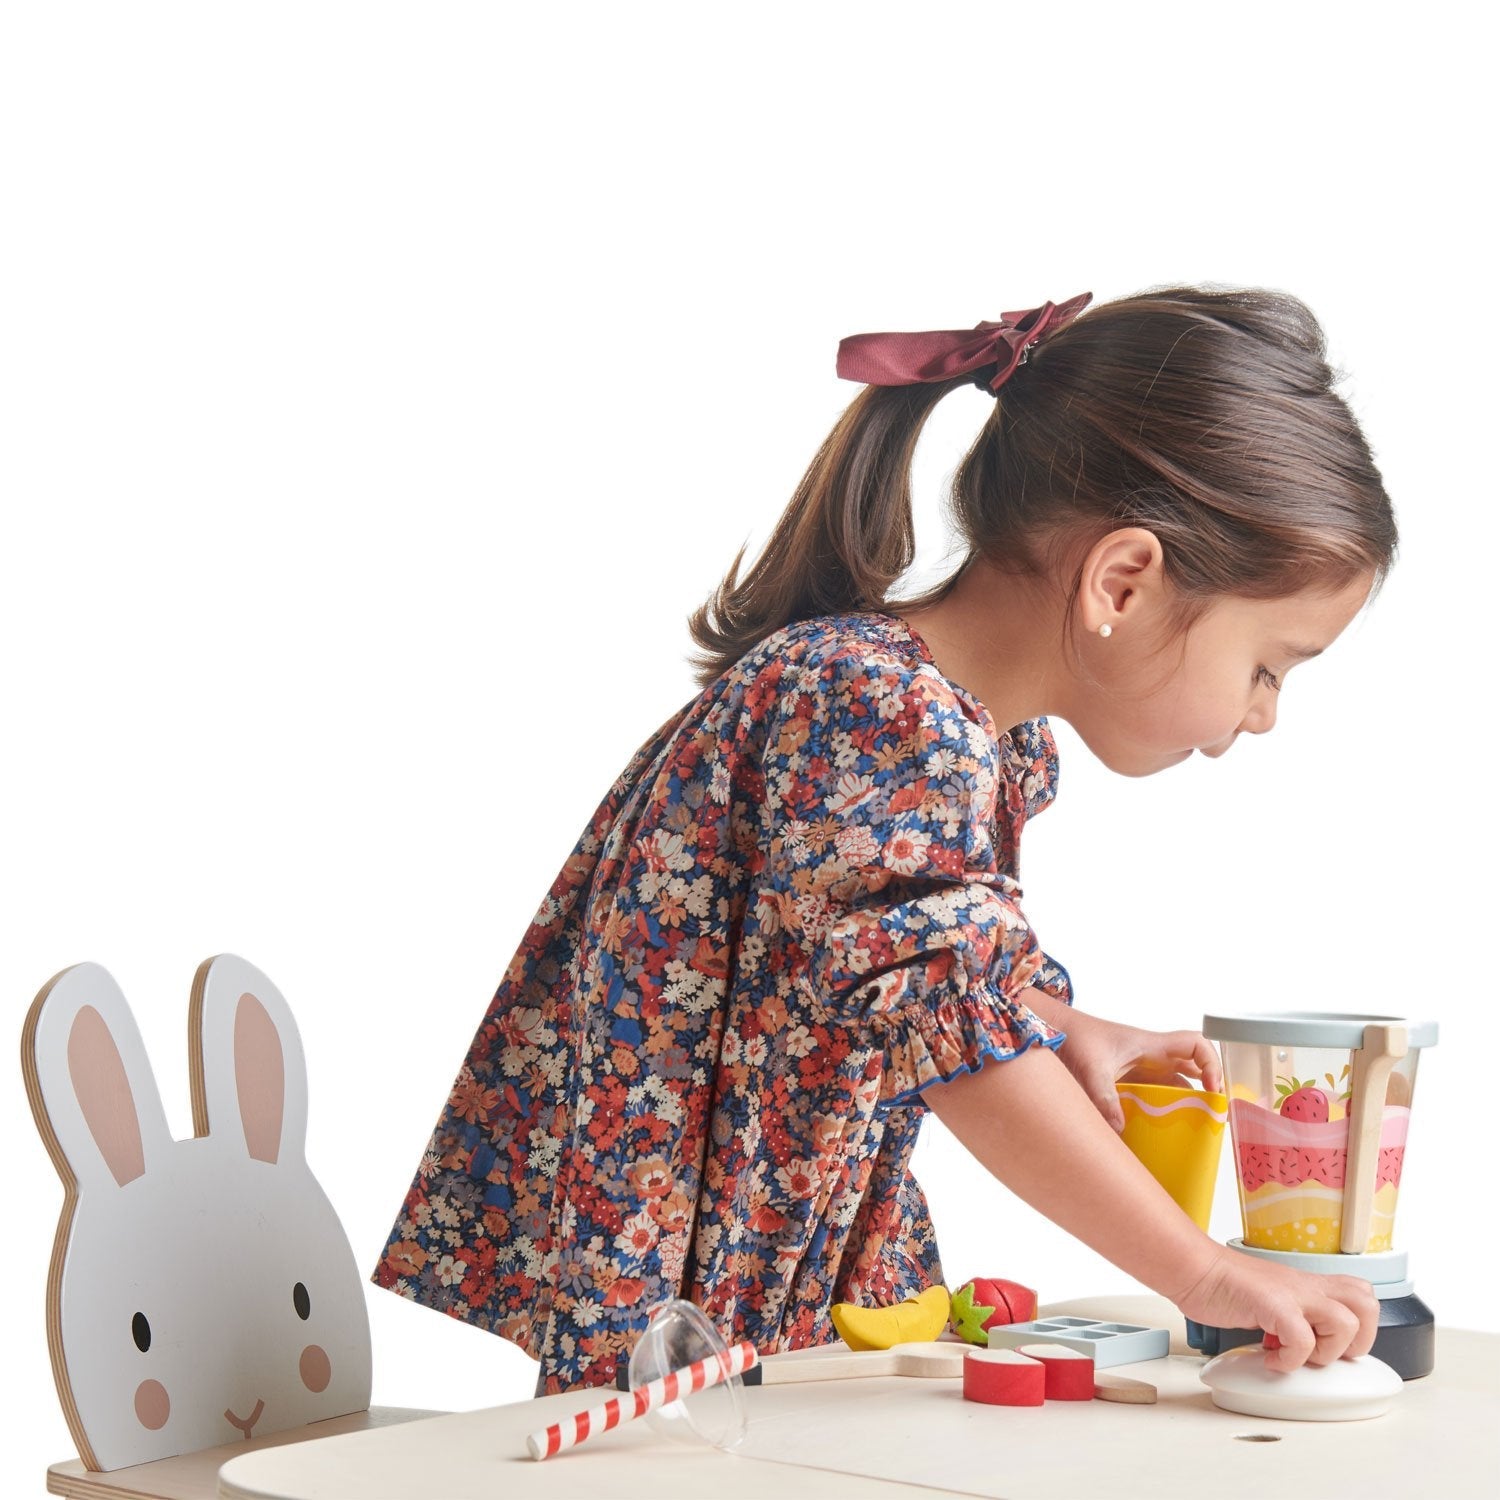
x=103, y=1091
x=260, y=1077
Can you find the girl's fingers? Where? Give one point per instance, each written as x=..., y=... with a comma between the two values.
x=1191, y=1052
x=1175, y=1057
x=1358, y=1296
x=1100, y=1087
x=1296, y=1342
x=1334, y=1332
x=1210, y=1069
x=1336, y=1322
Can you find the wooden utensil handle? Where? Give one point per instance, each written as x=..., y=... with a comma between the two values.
x=1384, y=1046
x=828, y=1363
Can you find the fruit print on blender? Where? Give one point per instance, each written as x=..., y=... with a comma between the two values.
x=1291, y=1166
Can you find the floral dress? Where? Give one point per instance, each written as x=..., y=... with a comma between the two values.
x=701, y=1074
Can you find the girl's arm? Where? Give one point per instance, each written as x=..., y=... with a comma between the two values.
x=1030, y=1123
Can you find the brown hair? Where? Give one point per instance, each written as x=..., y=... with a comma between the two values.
x=1204, y=414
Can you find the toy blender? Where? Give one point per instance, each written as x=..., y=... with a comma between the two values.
x=1319, y=1105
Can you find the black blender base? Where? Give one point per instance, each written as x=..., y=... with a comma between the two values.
x=1404, y=1340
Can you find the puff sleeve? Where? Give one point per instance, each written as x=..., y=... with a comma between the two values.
x=882, y=864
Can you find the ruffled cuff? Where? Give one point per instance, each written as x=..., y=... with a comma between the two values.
x=1052, y=979
x=926, y=1044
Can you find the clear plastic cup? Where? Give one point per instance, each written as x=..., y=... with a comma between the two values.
x=678, y=1335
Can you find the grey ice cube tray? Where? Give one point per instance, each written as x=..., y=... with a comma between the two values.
x=1109, y=1343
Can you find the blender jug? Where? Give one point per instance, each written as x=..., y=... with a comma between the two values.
x=1319, y=1121
x=1319, y=1109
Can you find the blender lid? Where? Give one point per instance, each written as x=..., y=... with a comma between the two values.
x=1311, y=1028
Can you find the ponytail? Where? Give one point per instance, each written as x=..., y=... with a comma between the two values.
x=844, y=539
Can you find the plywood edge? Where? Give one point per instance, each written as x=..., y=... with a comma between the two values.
x=195, y=1047
x=64, y=1225
x=78, y=1483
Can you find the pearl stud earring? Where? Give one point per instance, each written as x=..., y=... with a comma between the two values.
x=1106, y=630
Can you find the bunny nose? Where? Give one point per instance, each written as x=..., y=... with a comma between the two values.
x=245, y=1424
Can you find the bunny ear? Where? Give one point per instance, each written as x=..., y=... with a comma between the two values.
x=245, y=1057
x=92, y=1091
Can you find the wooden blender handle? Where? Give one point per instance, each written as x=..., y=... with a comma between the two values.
x=1383, y=1047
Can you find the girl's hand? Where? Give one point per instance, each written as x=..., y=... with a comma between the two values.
x=1317, y=1318
x=1101, y=1053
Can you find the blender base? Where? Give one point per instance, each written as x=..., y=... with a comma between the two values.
x=1405, y=1338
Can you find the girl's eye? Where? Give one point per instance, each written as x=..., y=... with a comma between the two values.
x=1265, y=675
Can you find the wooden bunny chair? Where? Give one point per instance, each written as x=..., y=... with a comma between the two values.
x=202, y=1298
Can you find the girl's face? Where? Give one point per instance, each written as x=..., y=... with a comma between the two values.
x=1154, y=703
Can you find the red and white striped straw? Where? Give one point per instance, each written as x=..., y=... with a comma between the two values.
x=672, y=1386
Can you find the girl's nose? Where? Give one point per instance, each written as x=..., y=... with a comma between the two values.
x=1261, y=714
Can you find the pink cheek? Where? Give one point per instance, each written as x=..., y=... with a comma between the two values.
x=152, y=1404
x=314, y=1368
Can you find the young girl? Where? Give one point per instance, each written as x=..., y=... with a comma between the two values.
x=793, y=924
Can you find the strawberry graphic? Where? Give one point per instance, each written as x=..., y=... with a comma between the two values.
x=1257, y=1166
x=1390, y=1165
x=1302, y=1101
x=1312, y=1165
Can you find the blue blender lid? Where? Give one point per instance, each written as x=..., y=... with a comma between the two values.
x=1312, y=1028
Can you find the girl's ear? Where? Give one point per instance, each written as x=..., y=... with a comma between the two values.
x=249, y=1078
x=91, y=1088
x=1120, y=572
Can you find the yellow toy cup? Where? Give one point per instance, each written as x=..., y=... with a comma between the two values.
x=1177, y=1133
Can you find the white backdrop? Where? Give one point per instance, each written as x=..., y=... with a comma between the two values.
x=383, y=388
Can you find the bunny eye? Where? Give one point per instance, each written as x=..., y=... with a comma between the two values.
x=140, y=1330
x=301, y=1301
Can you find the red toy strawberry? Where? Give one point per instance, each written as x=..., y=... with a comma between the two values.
x=1301, y=1101
x=987, y=1301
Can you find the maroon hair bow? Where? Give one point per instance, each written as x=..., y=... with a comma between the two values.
x=920, y=358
